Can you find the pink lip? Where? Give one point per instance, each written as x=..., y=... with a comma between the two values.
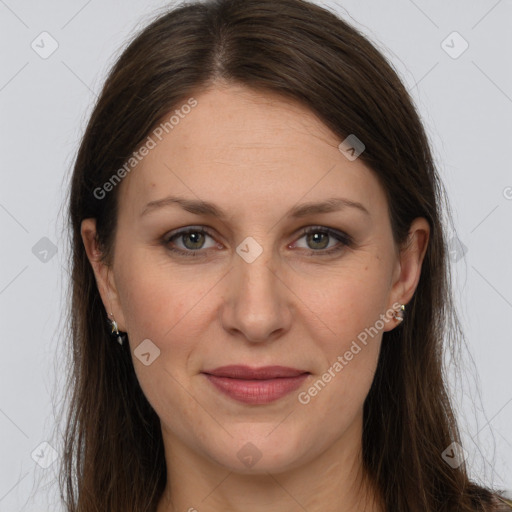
x=256, y=385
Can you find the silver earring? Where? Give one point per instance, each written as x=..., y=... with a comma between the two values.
x=115, y=330
x=401, y=317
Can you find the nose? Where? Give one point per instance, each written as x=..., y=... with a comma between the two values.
x=257, y=304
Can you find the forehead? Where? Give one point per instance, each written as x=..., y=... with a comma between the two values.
x=242, y=149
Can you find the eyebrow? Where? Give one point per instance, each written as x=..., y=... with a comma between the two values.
x=200, y=207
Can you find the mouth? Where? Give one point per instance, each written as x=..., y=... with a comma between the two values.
x=256, y=385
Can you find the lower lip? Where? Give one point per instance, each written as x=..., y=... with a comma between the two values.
x=257, y=391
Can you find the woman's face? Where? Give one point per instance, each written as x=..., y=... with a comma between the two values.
x=254, y=290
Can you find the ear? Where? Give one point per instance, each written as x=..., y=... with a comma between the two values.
x=408, y=267
x=103, y=273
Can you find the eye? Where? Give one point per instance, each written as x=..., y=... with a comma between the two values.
x=317, y=240
x=318, y=237
x=192, y=238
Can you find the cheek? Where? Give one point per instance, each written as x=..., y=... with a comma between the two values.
x=350, y=303
x=335, y=396
x=177, y=306
x=159, y=299
x=351, y=308
x=162, y=305
x=172, y=304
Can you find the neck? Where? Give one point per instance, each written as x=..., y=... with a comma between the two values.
x=332, y=482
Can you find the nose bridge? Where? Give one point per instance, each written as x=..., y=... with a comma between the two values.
x=254, y=271
x=257, y=306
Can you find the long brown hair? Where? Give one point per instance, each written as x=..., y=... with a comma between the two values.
x=114, y=458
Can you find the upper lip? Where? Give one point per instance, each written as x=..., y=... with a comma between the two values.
x=247, y=372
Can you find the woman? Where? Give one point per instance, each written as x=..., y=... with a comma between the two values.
x=243, y=366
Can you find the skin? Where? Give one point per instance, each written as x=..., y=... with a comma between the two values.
x=256, y=155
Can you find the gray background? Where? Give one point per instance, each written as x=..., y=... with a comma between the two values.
x=466, y=105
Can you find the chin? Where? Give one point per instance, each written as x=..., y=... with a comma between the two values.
x=259, y=452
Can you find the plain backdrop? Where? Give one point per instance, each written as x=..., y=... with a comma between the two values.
x=462, y=86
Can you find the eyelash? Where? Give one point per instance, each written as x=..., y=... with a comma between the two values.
x=346, y=241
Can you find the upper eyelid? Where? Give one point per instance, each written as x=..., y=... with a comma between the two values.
x=301, y=232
